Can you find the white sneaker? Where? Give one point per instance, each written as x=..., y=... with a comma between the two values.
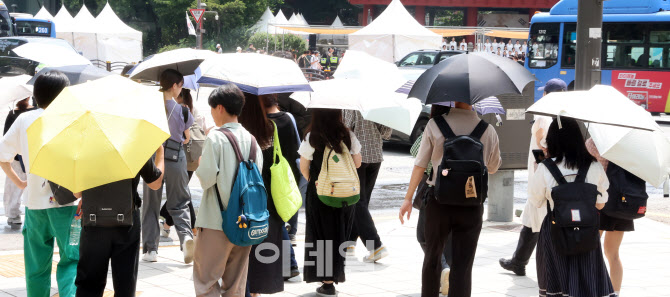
x=444, y=281
x=150, y=257
x=15, y=221
x=188, y=248
x=165, y=232
x=376, y=255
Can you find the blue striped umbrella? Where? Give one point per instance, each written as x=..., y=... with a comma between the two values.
x=484, y=106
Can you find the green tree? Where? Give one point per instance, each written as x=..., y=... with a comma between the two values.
x=287, y=42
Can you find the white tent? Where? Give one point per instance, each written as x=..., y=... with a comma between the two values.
x=44, y=14
x=302, y=18
x=295, y=20
x=117, y=42
x=337, y=23
x=64, y=25
x=280, y=19
x=394, y=34
x=84, y=34
x=266, y=19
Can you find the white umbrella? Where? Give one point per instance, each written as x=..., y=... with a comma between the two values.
x=51, y=55
x=361, y=65
x=643, y=153
x=602, y=104
x=254, y=73
x=376, y=100
x=15, y=88
x=184, y=60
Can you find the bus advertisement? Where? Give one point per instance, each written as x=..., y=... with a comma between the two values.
x=635, y=48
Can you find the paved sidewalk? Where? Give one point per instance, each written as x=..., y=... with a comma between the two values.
x=646, y=255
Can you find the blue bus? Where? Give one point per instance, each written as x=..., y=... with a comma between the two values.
x=35, y=27
x=6, y=26
x=635, y=48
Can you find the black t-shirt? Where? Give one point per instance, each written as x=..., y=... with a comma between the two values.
x=288, y=140
x=12, y=116
x=149, y=173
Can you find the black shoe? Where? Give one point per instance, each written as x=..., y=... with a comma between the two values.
x=294, y=272
x=519, y=270
x=326, y=290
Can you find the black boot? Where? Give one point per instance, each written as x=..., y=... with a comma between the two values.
x=506, y=264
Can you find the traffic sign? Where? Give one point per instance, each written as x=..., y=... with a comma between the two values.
x=197, y=14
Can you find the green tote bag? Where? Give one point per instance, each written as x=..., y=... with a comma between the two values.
x=285, y=191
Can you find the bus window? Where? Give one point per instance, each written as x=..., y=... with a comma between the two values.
x=5, y=23
x=35, y=27
x=543, y=45
x=658, y=57
x=626, y=56
x=623, y=32
x=569, y=45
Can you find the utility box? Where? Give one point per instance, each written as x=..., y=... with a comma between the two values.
x=514, y=133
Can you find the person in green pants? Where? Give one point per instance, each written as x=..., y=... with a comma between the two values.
x=45, y=219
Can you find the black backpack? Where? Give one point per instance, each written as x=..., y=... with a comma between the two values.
x=466, y=183
x=575, y=219
x=627, y=194
x=109, y=205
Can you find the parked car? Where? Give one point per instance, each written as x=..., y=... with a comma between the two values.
x=11, y=64
x=412, y=66
x=426, y=58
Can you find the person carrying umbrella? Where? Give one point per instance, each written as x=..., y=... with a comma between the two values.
x=46, y=220
x=176, y=176
x=532, y=216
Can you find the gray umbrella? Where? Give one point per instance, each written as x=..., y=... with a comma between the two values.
x=470, y=78
x=184, y=60
x=76, y=74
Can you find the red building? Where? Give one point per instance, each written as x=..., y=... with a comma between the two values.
x=470, y=8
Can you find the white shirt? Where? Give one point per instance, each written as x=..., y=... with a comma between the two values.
x=307, y=151
x=541, y=185
x=509, y=47
x=316, y=65
x=463, y=44
x=454, y=44
x=517, y=47
x=487, y=47
x=532, y=216
x=501, y=46
x=524, y=48
x=37, y=194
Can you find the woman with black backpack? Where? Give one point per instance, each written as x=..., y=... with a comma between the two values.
x=572, y=185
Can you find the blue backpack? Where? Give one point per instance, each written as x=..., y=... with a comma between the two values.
x=245, y=220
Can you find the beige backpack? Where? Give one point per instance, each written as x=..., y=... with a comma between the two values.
x=338, y=184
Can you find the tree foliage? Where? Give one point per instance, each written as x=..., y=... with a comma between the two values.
x=271, y=43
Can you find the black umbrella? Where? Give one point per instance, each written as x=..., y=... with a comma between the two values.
x=76, y=74
x=470, y=78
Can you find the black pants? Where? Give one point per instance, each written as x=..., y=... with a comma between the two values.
x=364, y=226
x=168, y=218
x=447, y=254
x=526, y=246
x=99, y=245
x=464, y=224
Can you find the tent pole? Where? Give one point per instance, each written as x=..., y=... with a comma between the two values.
x=394, y=46
x=282, y=41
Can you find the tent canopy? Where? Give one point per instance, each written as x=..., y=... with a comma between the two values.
x=63, y=20
x=394, y=34
x=266, y=19
x=337, y=23
x=44, y=14
x=280, y=19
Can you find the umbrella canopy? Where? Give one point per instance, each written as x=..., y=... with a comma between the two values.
x=184, y=60
x=254, y=73
x=470, y=78
x=486, y=106
x=76, y=74
x=87, y=138
x=643, y=153
x=601, y=105
x=361, y=65
x=379, y=104
x=15, y=88
x=51, y=55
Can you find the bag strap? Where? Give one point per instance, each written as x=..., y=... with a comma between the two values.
x=555, y=172
x=581, y=174
x=236, y=147
x=444, y=127
x=277, y=146
x=479, y=130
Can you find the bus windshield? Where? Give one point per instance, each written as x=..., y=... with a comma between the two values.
x=35, y=27
x=5, y=22
x=543, y=45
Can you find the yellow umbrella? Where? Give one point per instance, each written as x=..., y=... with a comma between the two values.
x=98, y=132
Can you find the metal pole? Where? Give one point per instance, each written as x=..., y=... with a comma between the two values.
x=198, y=34
x=589, y=44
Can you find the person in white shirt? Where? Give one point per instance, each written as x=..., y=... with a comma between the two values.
x=487, y=46
x=517, y=47
x=463, y=44
x=494, y=46
x=464, y=47
x=453, y=43
x=316, y=61
x=499, y=53
x=501, y=45
x=45, y=221
x=524, y=47
x=479, y=45
x=509, y=46
x=444, y=47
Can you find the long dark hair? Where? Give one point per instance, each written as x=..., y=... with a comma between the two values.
x=567, y=144
x=438, y=110
x=187, y=98
x=255, y=120
x=270, y=100
x=328, y=129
